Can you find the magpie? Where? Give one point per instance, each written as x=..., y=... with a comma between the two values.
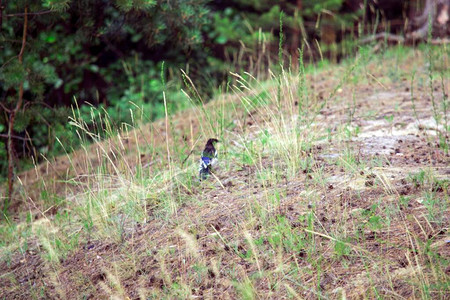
x=208, y=159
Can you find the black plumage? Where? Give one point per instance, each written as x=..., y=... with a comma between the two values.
x=208, y=159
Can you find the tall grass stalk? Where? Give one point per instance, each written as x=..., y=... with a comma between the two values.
x=302, y=89
x=412, y=98
x=446, y=136
x=430, y=71
x=280, y=62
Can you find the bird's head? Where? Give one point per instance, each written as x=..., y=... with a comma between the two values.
x=212, y=141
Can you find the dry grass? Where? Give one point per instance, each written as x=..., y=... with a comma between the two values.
x=340, y=196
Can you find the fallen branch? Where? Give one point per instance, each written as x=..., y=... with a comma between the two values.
x=400, y=39
x=440, y=41
x=383, y=36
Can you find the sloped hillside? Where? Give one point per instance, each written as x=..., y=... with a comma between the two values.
x=333, y=183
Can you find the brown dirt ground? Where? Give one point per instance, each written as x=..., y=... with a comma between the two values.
x=217, y=219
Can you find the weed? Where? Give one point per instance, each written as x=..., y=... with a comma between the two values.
x=436, y=207
x=418, y=179
x=245, y=289
x=404, y=201
x=341, y=249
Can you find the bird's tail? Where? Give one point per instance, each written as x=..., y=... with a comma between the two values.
x=204, y=172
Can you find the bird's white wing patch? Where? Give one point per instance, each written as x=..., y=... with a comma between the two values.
x=214, y=162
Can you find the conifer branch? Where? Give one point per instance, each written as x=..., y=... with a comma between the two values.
x=38, y=13
x=15, y=137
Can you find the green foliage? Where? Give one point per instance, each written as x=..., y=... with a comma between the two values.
x=341, y=248
x=127, y=5
x=104, y=62
x=418, y=179
x=316, y=7
x=108, y=54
